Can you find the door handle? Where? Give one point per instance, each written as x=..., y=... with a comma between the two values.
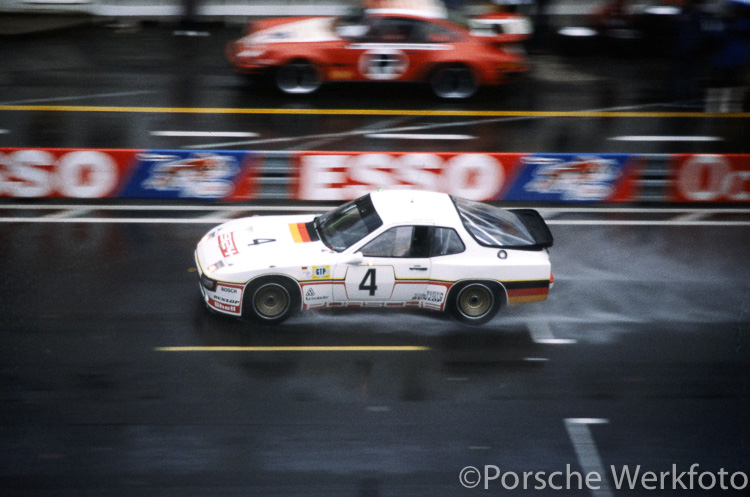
x=418, y=268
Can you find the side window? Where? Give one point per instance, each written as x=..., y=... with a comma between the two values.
x=401, y=241
x=445, y=241
x=395, y=242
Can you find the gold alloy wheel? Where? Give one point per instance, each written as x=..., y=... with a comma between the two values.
x=271, y=300
x=475, y=301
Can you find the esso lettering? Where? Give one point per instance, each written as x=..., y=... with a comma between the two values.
x=711, y=178
x=40, y=173
x=342, y=177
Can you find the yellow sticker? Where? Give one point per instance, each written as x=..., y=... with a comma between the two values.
x=321, y=272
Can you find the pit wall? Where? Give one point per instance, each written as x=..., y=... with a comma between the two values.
x=232, y=176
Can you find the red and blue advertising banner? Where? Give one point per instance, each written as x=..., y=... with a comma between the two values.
x=144, y=174
x=710, y=178
x=511, y=177
x=230, y=176
x=55, y=173
x=180, y=174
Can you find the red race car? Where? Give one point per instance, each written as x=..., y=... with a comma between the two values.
x=454, y=56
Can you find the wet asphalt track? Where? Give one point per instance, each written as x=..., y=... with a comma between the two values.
x=649, y=334
x=640, y=357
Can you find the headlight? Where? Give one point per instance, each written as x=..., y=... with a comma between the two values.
x=251, y=51
x=213, y=267
x=211, y=234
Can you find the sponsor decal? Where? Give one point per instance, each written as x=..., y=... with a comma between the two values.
x=299, y=233
x=227, y=245
x=227, y=298
x=340, y=74
x=321, y=272
x=382, y=64
x=343, y=176
x=199, y=175
x=711, y=178
x=311, y=296
x=428, y=296
x=37, y=173
x=178, y=174
x=572, y=178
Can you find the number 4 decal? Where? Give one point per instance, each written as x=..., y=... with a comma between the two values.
x=369, y=275
x=258, y=241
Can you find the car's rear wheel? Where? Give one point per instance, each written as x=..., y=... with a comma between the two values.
x=298, y=77
x=453, y=82
x=475, y=302
x=271, y=300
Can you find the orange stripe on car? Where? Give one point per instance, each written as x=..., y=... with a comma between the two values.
x=294, y=229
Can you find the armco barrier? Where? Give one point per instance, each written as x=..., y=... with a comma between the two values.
x=232, y=175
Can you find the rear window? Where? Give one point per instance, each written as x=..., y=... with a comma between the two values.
x=492, y=226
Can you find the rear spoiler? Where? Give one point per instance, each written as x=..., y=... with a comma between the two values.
x=539, y=230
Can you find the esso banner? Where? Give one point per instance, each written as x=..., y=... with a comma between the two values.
x=513, y=177
x=710, y=178
x=345, y=176
x=35, y=173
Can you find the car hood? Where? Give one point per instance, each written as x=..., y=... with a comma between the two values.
x=261, y=242
x=314, y=29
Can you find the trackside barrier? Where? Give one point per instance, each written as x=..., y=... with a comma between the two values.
x=230, y=176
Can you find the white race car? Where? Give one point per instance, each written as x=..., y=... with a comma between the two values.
x=385, y=249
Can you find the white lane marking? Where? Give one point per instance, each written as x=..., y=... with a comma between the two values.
x=99, y=220
x=321, y=208
x=79, y=97
x=248, y=208
x=535, y=359
x=635, y=138
x=4, y=131
x=690, y=216
x=68, y=213
x=673, y=222
x=418, y=136
x=541, y=332
x=586, y=451
x=216, y=215
x=205, y=134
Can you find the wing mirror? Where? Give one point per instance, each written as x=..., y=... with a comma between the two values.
x=355, y=259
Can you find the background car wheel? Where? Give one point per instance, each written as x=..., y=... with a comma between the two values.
x=297, y=77
x=453, y=82
x=475, y=303
x=271, y=300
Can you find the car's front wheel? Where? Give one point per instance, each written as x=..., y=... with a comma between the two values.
x=475, y=303
x=271, y=300
x=297, y=77
x=453, y=82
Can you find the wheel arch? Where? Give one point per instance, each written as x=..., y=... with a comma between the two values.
x=496, y=286
x=260, y=279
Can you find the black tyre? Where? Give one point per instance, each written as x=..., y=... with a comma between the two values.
x=298, y=77
x=453, y=82
x=271, y=300
x=475, y=303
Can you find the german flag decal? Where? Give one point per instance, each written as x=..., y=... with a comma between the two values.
x=299, y=232
x=521, y=292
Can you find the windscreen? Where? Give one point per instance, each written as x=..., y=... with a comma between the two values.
x=345, y=226
x=492, y=226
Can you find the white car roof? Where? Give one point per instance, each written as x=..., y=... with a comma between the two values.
x=422, y=8
x=406, y=206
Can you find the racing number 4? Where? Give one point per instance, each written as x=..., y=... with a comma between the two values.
x=371, y=287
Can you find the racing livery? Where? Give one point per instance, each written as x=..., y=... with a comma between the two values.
x=453, y=56
x=385, y=249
